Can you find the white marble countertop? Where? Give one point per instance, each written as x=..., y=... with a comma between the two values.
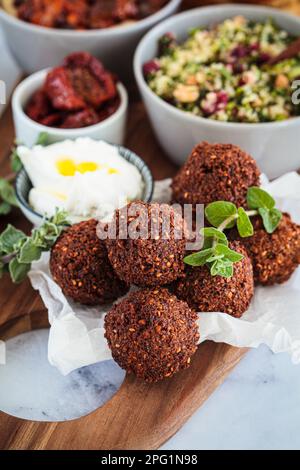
x=257, y=407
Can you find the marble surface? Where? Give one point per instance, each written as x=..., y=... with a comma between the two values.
x=257, y=407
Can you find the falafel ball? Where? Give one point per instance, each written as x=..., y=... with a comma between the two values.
x=79, y=265
x=207, y=293
x=148, y=246
x=152, y=334
x=274, y=256
x=215, y=172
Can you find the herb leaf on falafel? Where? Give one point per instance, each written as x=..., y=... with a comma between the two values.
x=223, y=215
x=244, y=224
x=219, y=211
x=259, y=199
x=270, y=218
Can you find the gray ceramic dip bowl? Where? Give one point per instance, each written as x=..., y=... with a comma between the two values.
x=23, y=185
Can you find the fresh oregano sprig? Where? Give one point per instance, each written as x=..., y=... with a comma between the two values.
x=223, y=215
x=215, y=253
x=18, y=251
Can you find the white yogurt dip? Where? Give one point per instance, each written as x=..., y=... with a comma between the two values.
x=85, y=177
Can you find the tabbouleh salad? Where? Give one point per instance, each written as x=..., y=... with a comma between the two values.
x=222, y=73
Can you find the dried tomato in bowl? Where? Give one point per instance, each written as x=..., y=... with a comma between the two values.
x=79, y=93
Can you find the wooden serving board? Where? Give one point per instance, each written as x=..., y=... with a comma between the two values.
x=139, y=416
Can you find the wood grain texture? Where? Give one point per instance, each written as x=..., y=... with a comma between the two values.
x=139, y=416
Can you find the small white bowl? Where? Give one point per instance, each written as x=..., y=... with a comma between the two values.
x=36, y=47
x=274, y=145
x=111, y=129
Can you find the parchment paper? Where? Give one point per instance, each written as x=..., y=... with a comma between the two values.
x=77, y=336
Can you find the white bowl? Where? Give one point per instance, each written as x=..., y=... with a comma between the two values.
x=111, y=129
x=36, y=47
x=274, y=145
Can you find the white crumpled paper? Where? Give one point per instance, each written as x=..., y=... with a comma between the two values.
x=77, y=336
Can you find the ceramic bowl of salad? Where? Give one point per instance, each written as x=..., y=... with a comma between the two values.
x=213, y=74
x=109, y=30
x=78, y=98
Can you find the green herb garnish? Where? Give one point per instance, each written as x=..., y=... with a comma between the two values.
x=7, y=196
x=224, y=215
x=18, y=251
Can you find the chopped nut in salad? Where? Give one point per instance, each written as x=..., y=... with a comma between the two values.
x=224, y=72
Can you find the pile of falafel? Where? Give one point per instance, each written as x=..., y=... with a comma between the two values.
x=153, y=331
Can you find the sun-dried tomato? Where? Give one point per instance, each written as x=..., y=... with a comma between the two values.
x=60, y=90
x=77, y=94
x=89, y=78
x=54, y=13
x=85, y=14
x=109, y=109
x=86, y=117
x=52, y=120
x=106, y=13
x=38, y=106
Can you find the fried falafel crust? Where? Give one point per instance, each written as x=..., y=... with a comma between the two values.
x=79, y=265
x=206, y=293
x=153, y=260
x=152, y=334
x=274, y=256
x=215, y=172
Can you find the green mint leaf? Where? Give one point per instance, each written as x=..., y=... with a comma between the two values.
x=244, y=225
x=7, y=192
x=215, y=258
x=16, y=163
x=258, y=198
x=18, y=271
x=221, y=268
x=5, y=208
x=198, y=259
x=270, y=218
x=43, y=139
x=228, y=254
x=217, y=212
x=29, y=252
x=10, y=238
